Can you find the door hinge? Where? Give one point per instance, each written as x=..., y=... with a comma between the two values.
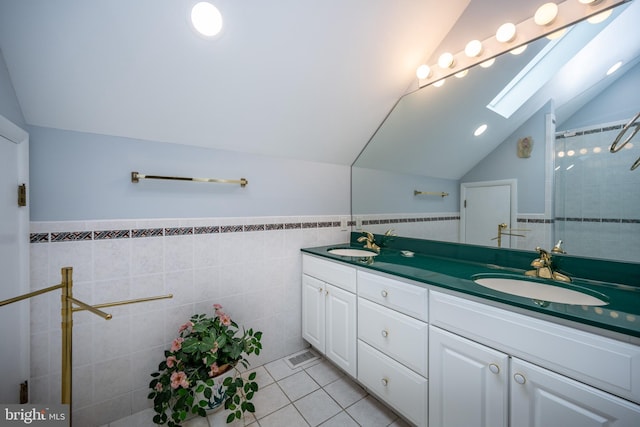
x=465, y=203
x=22, y=195
x=24, y=392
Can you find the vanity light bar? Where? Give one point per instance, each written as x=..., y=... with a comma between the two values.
x=569, y=12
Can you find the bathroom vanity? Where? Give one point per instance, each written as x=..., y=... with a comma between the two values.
x=441, y=350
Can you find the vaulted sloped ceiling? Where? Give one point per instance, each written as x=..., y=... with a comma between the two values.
x=302, y=79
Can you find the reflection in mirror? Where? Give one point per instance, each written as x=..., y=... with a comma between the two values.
x=427, y=144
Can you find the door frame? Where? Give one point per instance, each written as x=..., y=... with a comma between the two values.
x=513, y=185
x=20, y=137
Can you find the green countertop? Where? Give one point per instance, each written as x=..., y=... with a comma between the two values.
x=621, y=314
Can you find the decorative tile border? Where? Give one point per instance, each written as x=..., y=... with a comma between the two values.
x=608, y=220
x=71, y=236
x=407, y=220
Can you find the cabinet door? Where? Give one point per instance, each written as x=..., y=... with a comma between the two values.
x=468, y=383
x=340, y=345
x=542, y=398
x=313, y=307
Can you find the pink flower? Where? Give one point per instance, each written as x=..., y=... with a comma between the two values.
x=158, y=387
x=214, y=369
x=177, y=344
x=179, y=379
x=186, y=327
x=171, y=361
x=217, y=307
x=225, y=319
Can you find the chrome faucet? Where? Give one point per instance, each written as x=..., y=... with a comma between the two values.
x=544, y=268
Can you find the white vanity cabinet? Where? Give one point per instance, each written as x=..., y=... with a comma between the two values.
x=506, y=369
x=393, y=343
x=329, y=310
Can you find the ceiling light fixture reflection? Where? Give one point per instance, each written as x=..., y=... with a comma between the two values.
x=206, y=19
x=557, y=34
x=439, y=83
x=423, y=72
x=488, y=63
x=614, y=68
x=591, y=2
x=480, y=130
x=518, y=50
x=602, y=16
x=462, y=73
x=473, y=48
x=570, y=166
x=506, y=33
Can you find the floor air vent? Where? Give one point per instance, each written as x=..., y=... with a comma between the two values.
x=300, y=358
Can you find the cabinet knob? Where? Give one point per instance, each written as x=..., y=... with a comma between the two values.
x=519, y=378
x=326, y=292
x=384, y=293
x=385, y=333
x=495, y=369
x=384, y=382
x=320, y=290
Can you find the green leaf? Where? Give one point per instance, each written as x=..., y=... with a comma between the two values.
x=200, y=388
x=252, y=376
x=190, y=345
x=230, y=418
x=250, y=407
x=208, y=393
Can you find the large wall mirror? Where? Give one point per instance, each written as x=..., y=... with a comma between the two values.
x=551, y=113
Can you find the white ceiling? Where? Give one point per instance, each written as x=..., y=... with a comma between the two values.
x=310, y=80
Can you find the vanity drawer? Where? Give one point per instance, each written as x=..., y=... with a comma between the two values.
x=400, y=387
x=403, y=338
x=409, y=299
x=335, y=273
x=601, y=362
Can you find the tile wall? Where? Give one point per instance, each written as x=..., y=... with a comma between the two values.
x=251, y=266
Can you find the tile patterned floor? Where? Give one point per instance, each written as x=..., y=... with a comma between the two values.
x=314, y=394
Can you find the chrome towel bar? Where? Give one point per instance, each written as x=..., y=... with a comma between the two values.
x=136, y=177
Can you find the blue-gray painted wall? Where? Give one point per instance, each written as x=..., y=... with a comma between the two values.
x=82, y=176
x=503, y=163
x=9, y=107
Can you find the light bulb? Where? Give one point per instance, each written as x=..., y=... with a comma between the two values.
x=506, y=33
x=518, y=50
x=488, y=63
x=446, y=60
x=473, y=48
x=439, y=83
x=462, y=73
x=546, y=14
x=423, y=72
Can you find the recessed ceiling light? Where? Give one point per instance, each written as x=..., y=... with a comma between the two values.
x=480, y=130
x=614, y=68
x=423, y=72
x=206, y=19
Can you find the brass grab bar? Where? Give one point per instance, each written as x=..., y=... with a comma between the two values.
x=136, y=177
x=430, y=193
x=615, y=147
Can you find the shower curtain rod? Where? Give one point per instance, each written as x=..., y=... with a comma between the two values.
x=136, y=177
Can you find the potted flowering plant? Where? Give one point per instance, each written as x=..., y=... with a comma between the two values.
x=188, y=379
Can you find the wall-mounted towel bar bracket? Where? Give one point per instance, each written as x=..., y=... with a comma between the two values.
x=430, y=193
x=136, y=177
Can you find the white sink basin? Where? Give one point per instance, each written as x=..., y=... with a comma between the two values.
x=352, y=252
x=539, y=291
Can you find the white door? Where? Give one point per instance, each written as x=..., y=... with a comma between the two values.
x=468, y=383
x=340, y=344
x=14, y=262
x=483, y=207
x=542, y=398
x=313, y=305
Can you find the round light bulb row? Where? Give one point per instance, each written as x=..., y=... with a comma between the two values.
x=545, y=16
